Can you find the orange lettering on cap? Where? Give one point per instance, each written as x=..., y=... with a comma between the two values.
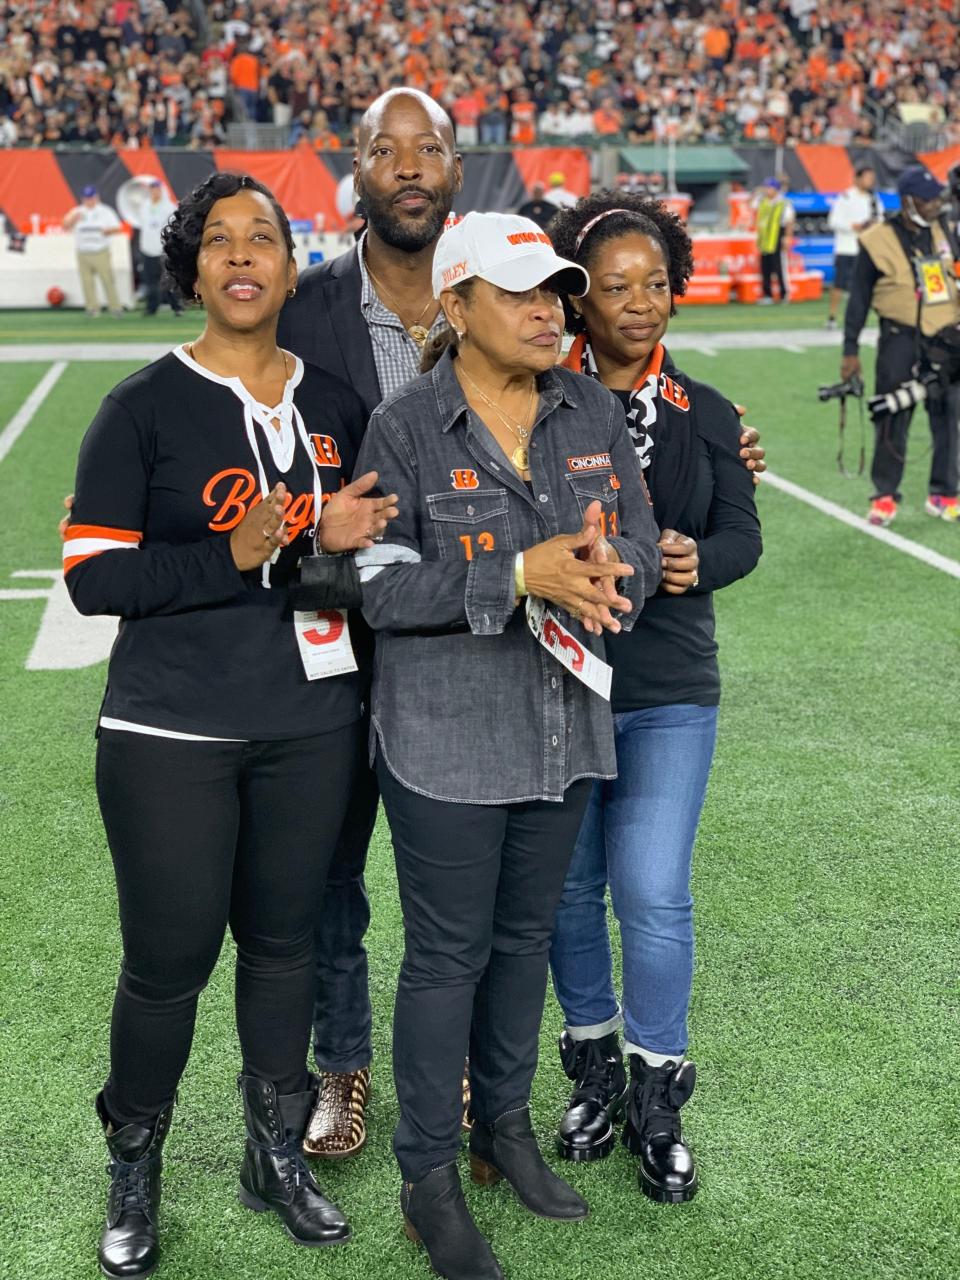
x=529, y=237
x=453, y=272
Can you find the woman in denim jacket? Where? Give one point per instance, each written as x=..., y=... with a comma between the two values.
x=490, y=715
x=639, y=830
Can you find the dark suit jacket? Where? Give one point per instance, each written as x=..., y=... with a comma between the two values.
x=323, y=325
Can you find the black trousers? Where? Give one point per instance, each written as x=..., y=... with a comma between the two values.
x=205, y=835
x=150, y=272
x=342, y=1019
x=479, y=888
x=772, y=267
x=896, y=356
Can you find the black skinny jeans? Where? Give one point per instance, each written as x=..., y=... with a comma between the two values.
x=896, y=356
x=206, y=834
x=479, y=888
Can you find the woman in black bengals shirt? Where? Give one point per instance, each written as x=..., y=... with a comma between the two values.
x=230, y=728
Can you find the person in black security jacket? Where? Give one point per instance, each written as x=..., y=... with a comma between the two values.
x=231, y=725
x=365, y=316
x=639, y=830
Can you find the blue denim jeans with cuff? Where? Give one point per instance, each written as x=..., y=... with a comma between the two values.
x=637, y=836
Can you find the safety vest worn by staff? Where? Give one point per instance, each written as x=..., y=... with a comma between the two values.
x=770, y=223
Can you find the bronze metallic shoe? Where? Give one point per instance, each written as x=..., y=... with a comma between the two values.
x=338, y=1127
x=466, y=1123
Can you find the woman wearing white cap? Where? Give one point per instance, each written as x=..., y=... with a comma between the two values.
x=490, y=711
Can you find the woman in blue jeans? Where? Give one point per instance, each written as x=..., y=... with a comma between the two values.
x=639, y=830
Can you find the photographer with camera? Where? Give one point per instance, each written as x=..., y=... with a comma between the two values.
x=905, y=270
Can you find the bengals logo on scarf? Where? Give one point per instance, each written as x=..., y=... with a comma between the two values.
x=649, y=387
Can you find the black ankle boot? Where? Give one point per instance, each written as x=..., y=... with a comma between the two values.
x=652, y=1132
x=129, y=1246
x=599, y=1099
x=274, y=1174
x=435, y=1215
x=508, y=1149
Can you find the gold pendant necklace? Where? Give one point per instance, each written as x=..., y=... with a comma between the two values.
x=521, y=454
x=416, y=331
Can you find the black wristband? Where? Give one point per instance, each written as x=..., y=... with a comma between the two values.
x=327, y=582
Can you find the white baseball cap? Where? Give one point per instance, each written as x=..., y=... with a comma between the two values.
x=506, y=250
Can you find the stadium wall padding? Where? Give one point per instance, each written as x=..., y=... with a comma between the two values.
x=48, y=183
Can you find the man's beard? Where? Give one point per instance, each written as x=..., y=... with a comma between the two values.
x=407, y=235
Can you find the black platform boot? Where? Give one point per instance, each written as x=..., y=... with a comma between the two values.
x=435, y=1215
x=508, y=1149
x=129, y=1245
x=599, y=1099
x=652, y=1132
x=274, y=1174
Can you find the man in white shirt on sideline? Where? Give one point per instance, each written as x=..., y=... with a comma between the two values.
x=558, y=194
x=155, y=213
x=851, y=212
x=91, y=223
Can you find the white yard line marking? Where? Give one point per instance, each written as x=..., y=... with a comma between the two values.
x=83, y=351
x=915, y=549
x=793, y=348
x=708, y=342
x=21, y=419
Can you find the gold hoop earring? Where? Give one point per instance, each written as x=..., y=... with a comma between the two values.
x=196, y=297
x=461, y=334
x=291, y=293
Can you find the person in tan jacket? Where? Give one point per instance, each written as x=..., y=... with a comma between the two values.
x=906, y=271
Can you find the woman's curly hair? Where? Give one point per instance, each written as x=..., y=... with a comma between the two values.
x=640, y=214
x=182, y=235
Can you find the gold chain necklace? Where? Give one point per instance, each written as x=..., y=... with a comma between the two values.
x=521, y=454
x=416, y=331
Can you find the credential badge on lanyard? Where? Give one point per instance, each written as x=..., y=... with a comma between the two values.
x=567, y=649
x=323, y=639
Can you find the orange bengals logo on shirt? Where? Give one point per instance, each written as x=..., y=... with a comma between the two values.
x=464, y=479
x=325, y=451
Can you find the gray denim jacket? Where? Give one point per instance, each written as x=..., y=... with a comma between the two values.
x=467, y=705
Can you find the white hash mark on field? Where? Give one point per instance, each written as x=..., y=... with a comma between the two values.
x=66, y=640
x=909, y=548
x=22, y=418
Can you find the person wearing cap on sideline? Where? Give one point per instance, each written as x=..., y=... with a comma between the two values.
x=490, y=700
x=906, y=271
x=557, y=192
x=155, y=213
x=775, y=217
x=91, y=222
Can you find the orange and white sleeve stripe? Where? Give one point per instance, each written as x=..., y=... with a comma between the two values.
x=85, y=540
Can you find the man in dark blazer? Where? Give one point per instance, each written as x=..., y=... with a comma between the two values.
x=364, y=317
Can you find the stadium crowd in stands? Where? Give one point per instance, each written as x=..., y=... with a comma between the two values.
x=130, y=72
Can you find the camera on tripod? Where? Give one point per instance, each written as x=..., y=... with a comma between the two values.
x=852, y=386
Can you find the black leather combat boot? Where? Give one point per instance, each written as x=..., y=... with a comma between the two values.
x=129, y=1245
x=599, y=1099
x=508, y=1149
x=435, y=1215
x=652, y=1132
x=274, y=1174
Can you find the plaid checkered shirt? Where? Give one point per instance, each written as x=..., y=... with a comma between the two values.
x=395, y=353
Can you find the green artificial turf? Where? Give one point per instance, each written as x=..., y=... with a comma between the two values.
x=826, y=1117
x=74, y=326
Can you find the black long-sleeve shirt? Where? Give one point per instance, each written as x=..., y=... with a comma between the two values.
x=166, y=471
x=670, y=656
